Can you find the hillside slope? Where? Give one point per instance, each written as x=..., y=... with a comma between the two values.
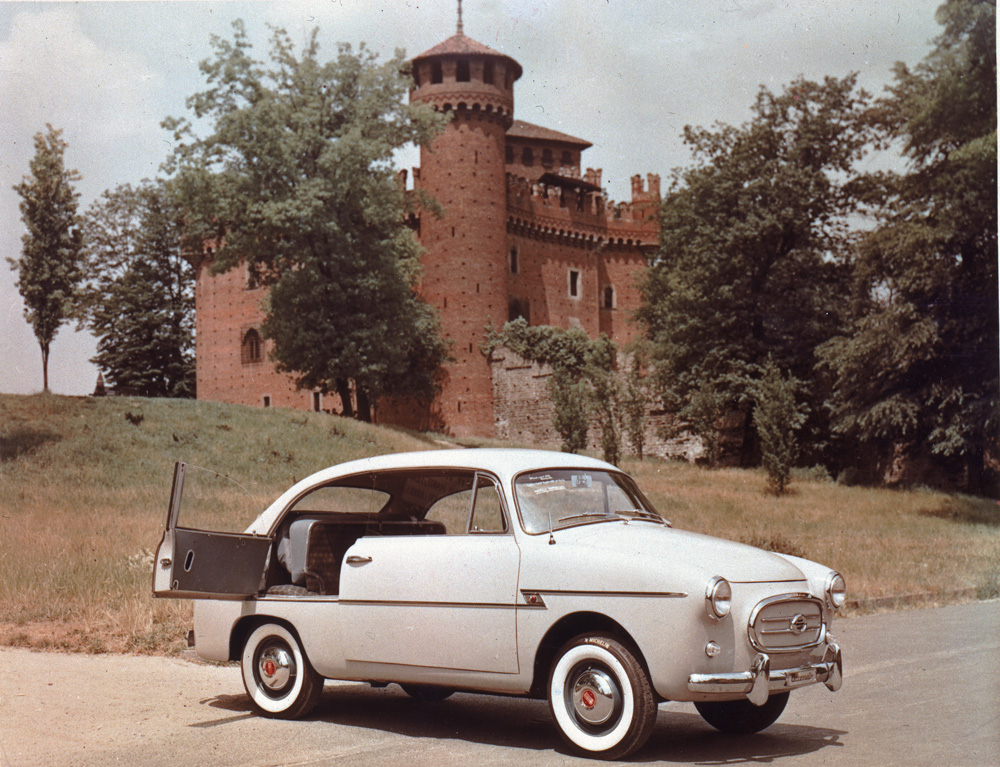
x=84, y=486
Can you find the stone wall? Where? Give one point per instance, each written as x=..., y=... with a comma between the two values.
x=523, y=412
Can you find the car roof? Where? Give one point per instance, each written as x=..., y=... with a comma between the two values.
x=505, y=463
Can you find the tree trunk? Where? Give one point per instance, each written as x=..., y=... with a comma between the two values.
x=976, y=471
x=344, y=390
x=364, y=407
x=748, y=443
x=45, y=367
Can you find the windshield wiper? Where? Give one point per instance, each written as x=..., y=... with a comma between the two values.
x=586, y=515
x=642, y=514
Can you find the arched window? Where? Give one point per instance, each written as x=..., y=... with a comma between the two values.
x=436, y=76
x=547, y=158
x=527, y=157
x=510, y=154
x=251, y=348
x=488, y=72
x=462, y=71
x=566, y=160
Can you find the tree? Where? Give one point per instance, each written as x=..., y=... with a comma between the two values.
x=139, y=296
x=584, y=382
x=750, y=263
x=296, y=179
x=49, y=266
x=777, y=417
x=635, y=396
x=918, y=364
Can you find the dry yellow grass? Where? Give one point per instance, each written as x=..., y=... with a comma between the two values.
x=83, y=503
x=84, y=491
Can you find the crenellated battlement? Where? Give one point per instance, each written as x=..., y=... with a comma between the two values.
x=582, y=214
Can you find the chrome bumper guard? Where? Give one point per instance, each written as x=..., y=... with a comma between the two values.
x=760, y=681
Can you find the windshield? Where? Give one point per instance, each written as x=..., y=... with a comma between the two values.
x=556, y=498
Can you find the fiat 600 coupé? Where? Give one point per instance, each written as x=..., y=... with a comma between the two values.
x=514, y=572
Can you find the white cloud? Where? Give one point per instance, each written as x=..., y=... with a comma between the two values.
x=51, y=69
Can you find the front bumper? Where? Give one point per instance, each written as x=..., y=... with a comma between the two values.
x=760, y=681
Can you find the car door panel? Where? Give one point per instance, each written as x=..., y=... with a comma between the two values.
x=417, y=600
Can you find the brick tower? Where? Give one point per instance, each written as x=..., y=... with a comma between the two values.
x=465, y=267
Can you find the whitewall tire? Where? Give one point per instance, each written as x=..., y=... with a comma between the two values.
x=277, y=675
x=601, y=698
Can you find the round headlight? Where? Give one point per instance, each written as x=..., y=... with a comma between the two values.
x=719, y=596
x=836, y=589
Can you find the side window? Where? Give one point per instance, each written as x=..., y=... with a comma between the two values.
x=333, y=498
x=452, y=511
x=487, y=513
x=481, y=502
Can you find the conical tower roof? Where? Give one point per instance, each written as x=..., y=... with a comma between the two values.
x=461, y=45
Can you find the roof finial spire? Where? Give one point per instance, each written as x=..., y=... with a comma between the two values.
x=460, y=18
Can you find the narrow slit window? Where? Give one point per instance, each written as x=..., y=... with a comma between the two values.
x=574, y=283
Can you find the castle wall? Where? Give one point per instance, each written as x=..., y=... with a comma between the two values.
x=524, y=413
x=226, y=370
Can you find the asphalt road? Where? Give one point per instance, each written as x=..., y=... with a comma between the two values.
x=920, y=688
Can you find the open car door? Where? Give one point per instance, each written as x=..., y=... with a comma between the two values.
x=199, y=564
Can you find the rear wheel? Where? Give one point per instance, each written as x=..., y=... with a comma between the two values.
x=741, y=717
x=601, y=698
x=277, y=675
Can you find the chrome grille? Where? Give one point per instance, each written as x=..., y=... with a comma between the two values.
x=786, y=623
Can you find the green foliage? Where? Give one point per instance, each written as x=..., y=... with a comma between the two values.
x=49, y=267
x=584, y=382
x=571, y=415
x=296, y=179
x=702, y=415
x=750, y=263
x=139, y=296
x=636, y=397
x=777, y=417
x=918, y=363
x=606, y=396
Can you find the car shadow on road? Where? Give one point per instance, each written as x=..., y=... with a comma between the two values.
x=680, y=737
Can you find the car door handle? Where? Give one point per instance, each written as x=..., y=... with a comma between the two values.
x=354, y=560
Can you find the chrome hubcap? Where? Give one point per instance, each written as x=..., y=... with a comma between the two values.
x=275, y=667
x=595, y=696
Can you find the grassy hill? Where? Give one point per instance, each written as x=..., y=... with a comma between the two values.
x=84, y=485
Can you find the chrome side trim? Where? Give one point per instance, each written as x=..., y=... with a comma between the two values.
x=571, y=593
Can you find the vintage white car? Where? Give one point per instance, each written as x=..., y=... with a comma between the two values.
x=513, y=572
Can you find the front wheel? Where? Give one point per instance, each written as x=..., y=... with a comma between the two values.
x=601, y=698
x=741, y=717
x=277, y=675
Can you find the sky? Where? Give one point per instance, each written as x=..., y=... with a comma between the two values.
x=626, y=75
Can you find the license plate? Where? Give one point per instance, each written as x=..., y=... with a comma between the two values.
x=800, y=676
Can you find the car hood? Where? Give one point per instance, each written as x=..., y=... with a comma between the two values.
x=653, y=548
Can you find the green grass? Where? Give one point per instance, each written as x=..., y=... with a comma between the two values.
x=83, y=503
x=84, y=491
